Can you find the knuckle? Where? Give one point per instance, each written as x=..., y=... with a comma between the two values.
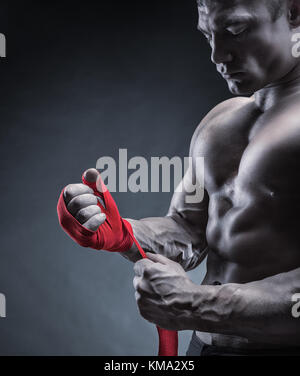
x=82, y=216
x=137, y=297
x=73, y=190
x=135, y=282
x=76, y=203
x=136, y=266
x=97, y=220
x=147, y=272
x=139, y=288
x=82, y=201
x=85, y=214
x=92, y=223
x=69, y=191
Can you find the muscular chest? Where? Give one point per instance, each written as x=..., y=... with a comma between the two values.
x=251, y=153
x=222, y=144
x=252, y=176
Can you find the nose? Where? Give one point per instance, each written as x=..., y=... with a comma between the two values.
x=220, y=53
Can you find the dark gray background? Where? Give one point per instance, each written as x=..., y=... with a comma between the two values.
x=80, y=81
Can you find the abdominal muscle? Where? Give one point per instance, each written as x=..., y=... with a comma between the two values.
x=253, y=226
x=245, y=246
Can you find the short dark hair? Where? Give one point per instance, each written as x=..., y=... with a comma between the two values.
x=276, y=7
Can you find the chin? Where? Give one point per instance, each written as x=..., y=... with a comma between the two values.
x=242, y=87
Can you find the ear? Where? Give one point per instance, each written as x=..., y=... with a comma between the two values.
x=294, y=13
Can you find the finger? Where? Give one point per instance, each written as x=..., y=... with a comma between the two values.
x=143, y=301
x=73, y=190
x=85, y=214
x=94, y=222
x=141, y=267
x=137, y=296
x=136, y=281
x=158, y=258
x=91, y=175
x=80, y=202
x=144, y=290
x=140, y=285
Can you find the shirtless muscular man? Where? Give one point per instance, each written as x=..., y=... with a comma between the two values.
x=247, y=225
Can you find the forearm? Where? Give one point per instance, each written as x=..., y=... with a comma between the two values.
x=168, y=237
x=259, y=311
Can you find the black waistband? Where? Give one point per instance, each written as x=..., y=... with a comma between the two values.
x=199, y=348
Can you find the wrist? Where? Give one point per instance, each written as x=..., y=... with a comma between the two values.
x=127, y=241
x=214, y=308
x=204, y=311
x=191, y=299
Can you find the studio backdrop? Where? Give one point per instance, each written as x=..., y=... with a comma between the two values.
x=80, y=81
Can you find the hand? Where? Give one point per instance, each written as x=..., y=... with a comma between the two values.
x=164, y=293
x=83, y=204
x=89, y=215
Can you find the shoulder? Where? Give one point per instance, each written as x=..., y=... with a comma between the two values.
x=283, y=125
x=229, y=105
x=230, y=112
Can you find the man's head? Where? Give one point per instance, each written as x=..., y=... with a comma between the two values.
x=250, y=40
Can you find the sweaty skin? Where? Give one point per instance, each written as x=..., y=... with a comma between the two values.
x=247, y=224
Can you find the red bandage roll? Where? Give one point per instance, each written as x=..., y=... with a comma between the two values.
x=168, y=342
x=168, y=339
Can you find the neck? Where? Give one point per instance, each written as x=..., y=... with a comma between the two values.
x=275, y=92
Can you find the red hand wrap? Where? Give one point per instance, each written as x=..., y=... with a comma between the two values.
x=114, y=235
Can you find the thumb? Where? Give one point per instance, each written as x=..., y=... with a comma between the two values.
x=91, y=175
x=91, y=178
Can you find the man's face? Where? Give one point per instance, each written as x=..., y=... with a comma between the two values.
x=250, y=49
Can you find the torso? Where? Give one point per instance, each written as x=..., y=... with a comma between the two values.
x=252, y=177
